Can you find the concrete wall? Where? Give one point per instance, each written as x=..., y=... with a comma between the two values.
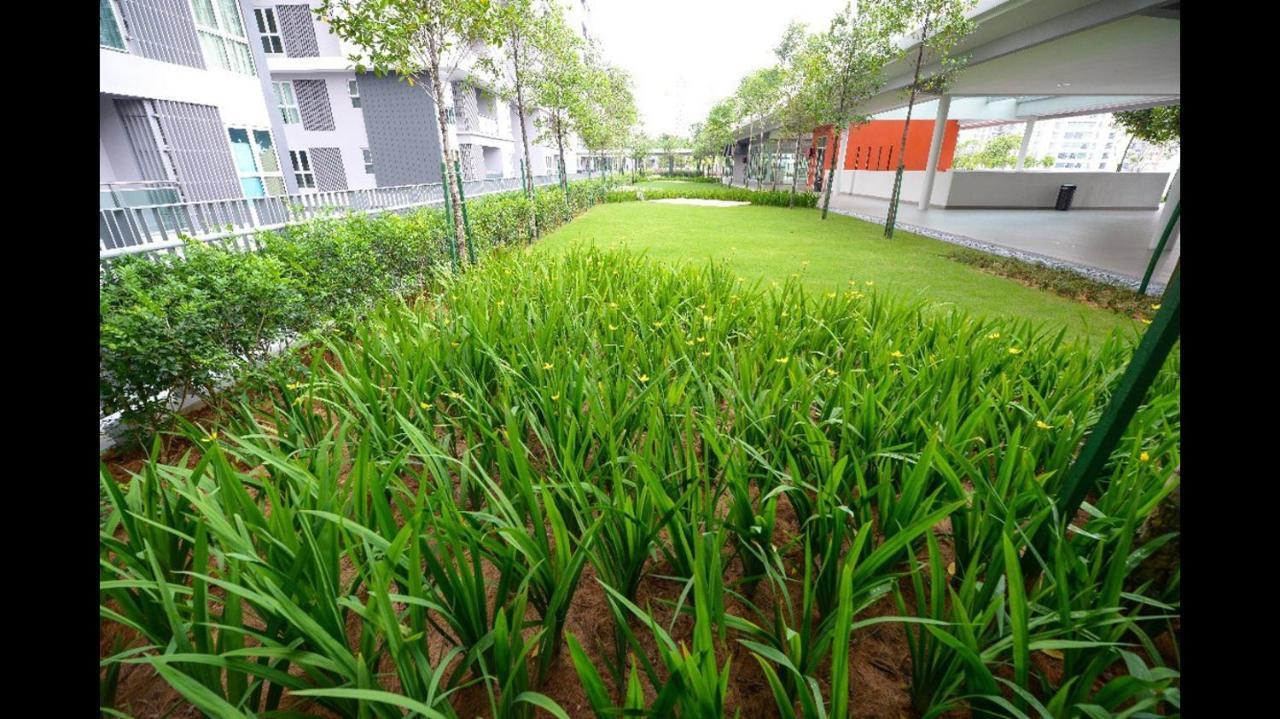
x=999, y=189
x=402, y=130
x=1099, y=190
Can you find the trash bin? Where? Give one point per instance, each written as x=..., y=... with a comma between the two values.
x=1065, y=194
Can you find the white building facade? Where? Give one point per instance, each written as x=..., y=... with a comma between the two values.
x=1084, y=142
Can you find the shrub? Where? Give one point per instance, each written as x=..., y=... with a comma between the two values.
x=186, y=323
x=776, y=198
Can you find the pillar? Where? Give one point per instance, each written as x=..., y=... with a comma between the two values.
x=1174, y=194
x=935, y=149
x=1026, y=142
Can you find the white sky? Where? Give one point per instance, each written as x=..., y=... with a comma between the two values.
x=684, y=55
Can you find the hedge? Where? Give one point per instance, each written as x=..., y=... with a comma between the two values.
x=776, y=198
x=184, y=325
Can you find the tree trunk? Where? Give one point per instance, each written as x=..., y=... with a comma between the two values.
x=1124, y=154
x=760, y=144
x=892, y=217
x=527, y=171
x=795, y=172
x=831, y=173
x=446, y=149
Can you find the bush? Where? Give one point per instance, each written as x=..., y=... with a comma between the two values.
x=776, y=198
x=184, y=324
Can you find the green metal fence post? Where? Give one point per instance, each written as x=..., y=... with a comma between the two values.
x=448, y=216
x=1155, y=256
x=466, y=223
x=1147, y=360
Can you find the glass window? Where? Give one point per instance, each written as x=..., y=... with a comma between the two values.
x=287, y=102
x=109, y=32
x=368, y=160
x=302, y=171
x=269, y=31
x=256, y=162
x=353, y=89
x=222, y=35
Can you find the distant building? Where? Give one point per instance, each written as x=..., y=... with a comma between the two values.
x=1085, y=142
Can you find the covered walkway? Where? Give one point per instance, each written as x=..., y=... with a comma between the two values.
x=1110, y=245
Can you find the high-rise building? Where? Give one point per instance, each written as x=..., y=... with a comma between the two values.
x=1084, y=142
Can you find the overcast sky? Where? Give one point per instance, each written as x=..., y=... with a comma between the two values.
x=684, y=55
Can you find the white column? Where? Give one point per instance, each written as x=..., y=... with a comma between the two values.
x=1171, y=201
x=1026, y=142
x=935, y=149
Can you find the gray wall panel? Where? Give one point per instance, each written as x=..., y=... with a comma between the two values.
x=162, y=30
x=327, y=164
x=404, y=135
x=313, y=104
x=200, y=150
x=298, y=29
x=142, y=141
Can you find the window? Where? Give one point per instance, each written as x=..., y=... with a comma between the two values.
x=287, y=102
x=110, y=33
x=353, y=89
x=255, y=162
x=368, y=160
x=269, y=30
x=302, y=171
x=449, y=116
x=222, y=35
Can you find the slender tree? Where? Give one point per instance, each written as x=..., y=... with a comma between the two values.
x=796, y=106
x=716, y=132
x=844, y=67
x=756, y=97
x=638, y=147
x=1153, y=125
x=560, y=83
x=413, y=38
x=669, y=143
x=942, y=24
x=510, y=72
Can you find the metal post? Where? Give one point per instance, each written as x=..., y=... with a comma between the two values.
x=462, y=200
x=1026, y=143
x=1164, y=238
x=1147, y=360
x=448, y=216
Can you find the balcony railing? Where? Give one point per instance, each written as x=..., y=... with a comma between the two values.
x=162, y=227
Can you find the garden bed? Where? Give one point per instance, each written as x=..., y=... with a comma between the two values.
x=605, y=439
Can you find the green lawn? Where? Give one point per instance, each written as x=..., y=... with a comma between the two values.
x=772, y=243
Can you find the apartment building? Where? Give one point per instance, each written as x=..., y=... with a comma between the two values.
x=1083, y=142
x=219, y=99
x=350, y=130
x=182, y=114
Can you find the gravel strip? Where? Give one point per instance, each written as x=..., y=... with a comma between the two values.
x=1093, y=273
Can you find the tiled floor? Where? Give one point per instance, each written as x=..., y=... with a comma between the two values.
x=1112, y=240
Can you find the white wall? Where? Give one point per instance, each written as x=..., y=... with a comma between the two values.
x=116, y=162
x=349, y=133
x=1029, y=189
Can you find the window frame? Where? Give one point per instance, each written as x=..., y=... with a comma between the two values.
x=299, y=175
x=259, y=14
x=284, y=107
x=119, y=22
x=353, y=92
x=224, y=36
x=260, y=173
x=367, y=156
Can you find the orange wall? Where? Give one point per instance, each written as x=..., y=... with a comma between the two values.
x=874, y=146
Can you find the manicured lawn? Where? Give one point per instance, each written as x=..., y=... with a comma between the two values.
x=771, y=243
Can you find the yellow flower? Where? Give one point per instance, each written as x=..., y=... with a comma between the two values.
x=897, y=355
x=294, y=385
x=424, y=405
x=1144, y=457
x=689, y=342
x=784, y=313
x=1146, y=321
x=644, y=378
x=795, y=274
x=742, y=279
x=993, y=336
x=555, y=397
x=1015, y=351
x=1155, y=307
x=804, y=264
x=708, y=318
x=213, y=437
x=831, y=295
x=831, y=372
x=613, y=327
x=1043, y=425
x=453, y=395
x=701, y=338
x=548, y=365
x=870, y=282
x=782, y=360
x=702, y=306
x=501, y=302
x=613, y=305
x=657, y=325
x=454, y=345
x=852, y=282
x=705, y=353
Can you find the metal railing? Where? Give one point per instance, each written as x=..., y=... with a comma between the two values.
x=160, y=228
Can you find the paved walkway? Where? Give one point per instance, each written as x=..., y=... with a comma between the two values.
x=1107, y=244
